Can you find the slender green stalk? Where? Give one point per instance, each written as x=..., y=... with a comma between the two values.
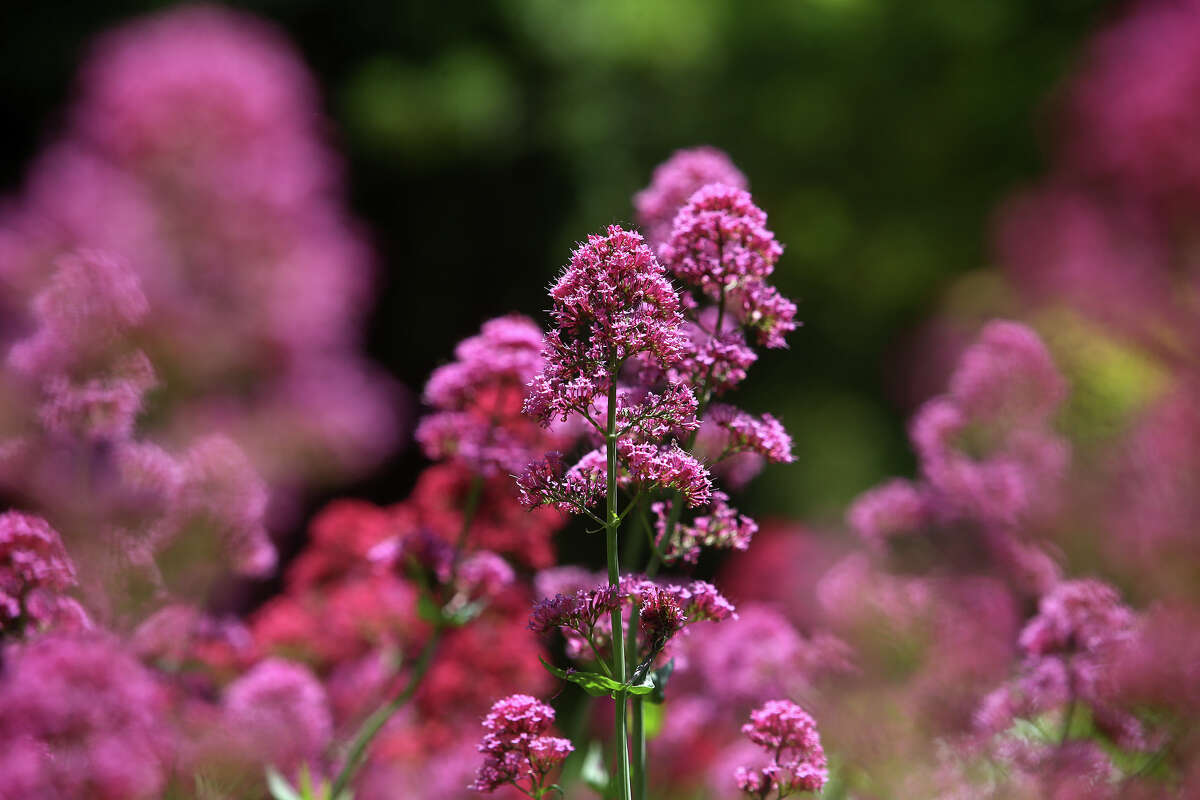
x=614, y=578
x=379, y=717
x=639, y=750
x=469, y=508
x=638, y=730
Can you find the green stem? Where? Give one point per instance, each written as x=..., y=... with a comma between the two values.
x=474, y=494
x=379, y=717
x=638, y=733
x=614, y=578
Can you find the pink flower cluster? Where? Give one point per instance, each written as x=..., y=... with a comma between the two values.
x=989, y=456
x=986, y=447
x=720, y=245
x=279, y=712
x=789, y=734
x=676, y=180
x=35, y=574
x=582, y=614
x=478, y=400
x=1068, y=649
x=722, y=528
x=79, y=717
x=764, y=436
x=187, y=235
x=516, y=748
x=611, y=303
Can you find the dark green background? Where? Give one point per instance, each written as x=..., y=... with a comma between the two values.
x=483, y=139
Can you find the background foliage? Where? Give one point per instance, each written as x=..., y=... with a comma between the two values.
x=483, y=139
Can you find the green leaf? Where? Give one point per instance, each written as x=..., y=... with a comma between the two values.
x=593, y=772
x=279, y=787
x=596, y=684
x=659, y=678
x=645, y=686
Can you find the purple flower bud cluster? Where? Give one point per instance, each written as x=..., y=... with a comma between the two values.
x=516, y=749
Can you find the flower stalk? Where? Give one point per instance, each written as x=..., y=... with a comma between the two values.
x=612, y=525
x=374, y=723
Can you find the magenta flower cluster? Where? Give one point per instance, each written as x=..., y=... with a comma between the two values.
x=676, y=180
x=720, y=246
x=478, y=398
x=612, y=302
x=516, y=748
x=664, y=609
x=789, y=735
x=35, y=575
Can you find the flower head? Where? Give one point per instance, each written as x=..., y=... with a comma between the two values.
x=222, y=492
x=720, y=245
x=892, y=508
x=34, y=571
x=719, y=240
x=763, y=435
x=660, y=617
x=516, y=748
x=279, y=712
x=478, y=398
x=721, y=528
x=90, y=302
x=612, y=302
x=80, y=717
x=789, y=734
x=677, y=179
x=578, y=612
